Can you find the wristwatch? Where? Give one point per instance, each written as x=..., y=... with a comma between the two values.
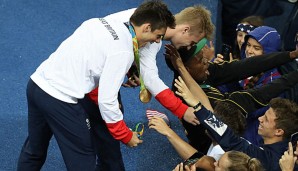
x=197, y=107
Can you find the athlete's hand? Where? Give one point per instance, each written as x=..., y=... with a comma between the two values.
x=190, y=117
x=135, y=141
x=132, y=81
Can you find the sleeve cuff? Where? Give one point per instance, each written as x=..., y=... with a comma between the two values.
x=120, y=131
x=168, y=99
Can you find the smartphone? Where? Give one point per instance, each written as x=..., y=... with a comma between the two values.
x=193, y=159
x=294, y=139
x=225, y=52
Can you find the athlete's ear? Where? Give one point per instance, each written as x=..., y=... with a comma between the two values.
x=147, y=27
x=186, y=29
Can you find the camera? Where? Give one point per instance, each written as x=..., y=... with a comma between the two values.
x=225, y=52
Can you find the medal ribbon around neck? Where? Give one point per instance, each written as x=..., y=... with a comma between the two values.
x=145, y=95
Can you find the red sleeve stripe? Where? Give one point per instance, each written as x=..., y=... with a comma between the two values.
x=120, y=131
x=168, y=99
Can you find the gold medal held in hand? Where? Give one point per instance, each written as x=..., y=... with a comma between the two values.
x=145, y=95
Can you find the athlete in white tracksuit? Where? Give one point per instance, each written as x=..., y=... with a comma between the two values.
x=98, y=54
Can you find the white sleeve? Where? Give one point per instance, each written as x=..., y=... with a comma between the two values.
x=111, y=79
x=149, y=70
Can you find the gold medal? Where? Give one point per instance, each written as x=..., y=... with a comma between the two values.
x=145, y=95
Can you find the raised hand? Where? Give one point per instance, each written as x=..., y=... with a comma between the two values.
x=172, y=54
x=219, y=58
x=208, y=52
x=184, y=92
x=287, y=161
x=191, y=100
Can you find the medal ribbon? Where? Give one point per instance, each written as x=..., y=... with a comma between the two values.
x=136, y=53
